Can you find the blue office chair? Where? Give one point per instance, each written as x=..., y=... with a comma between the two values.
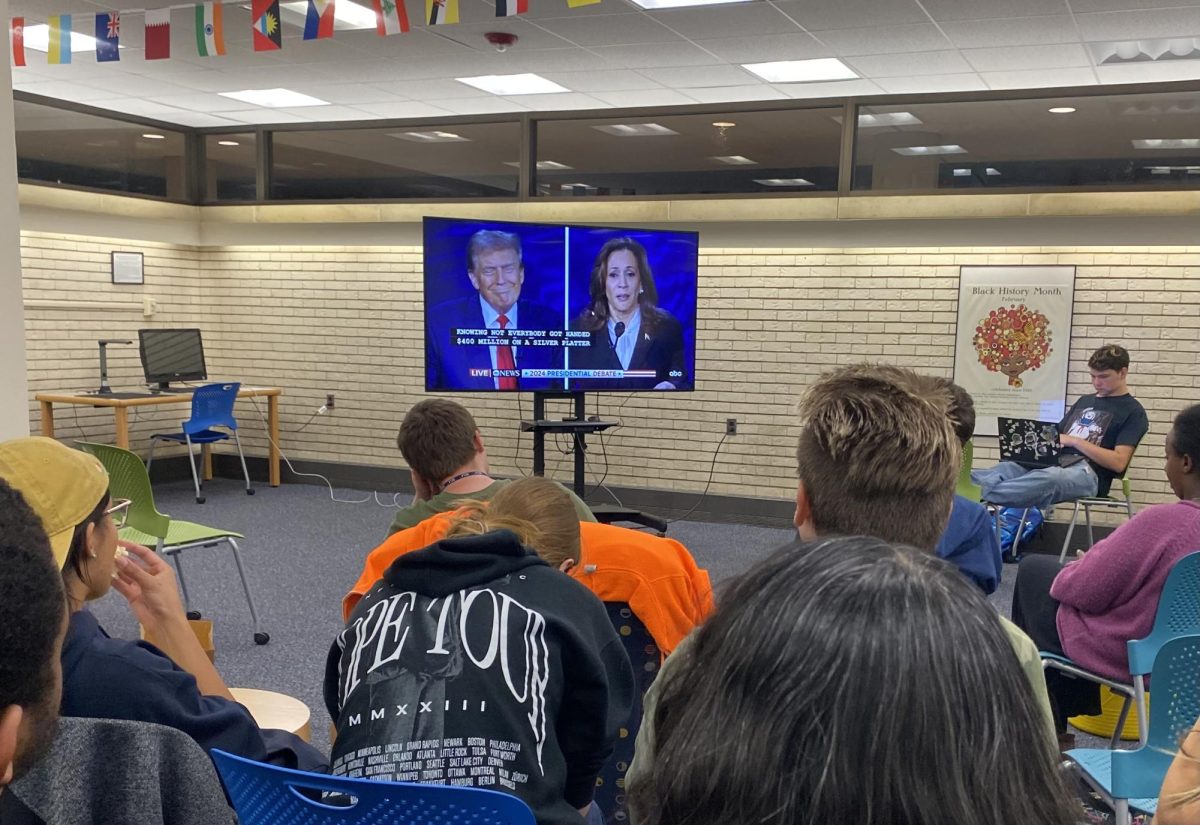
x=264, y=794
x=1131, y=779
x=1177, y=615
x=212, y=406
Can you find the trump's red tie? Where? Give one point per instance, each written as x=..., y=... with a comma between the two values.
x=504, y=360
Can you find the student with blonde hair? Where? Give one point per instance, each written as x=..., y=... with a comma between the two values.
x=475, y=661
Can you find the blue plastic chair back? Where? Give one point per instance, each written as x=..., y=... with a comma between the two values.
x=1178, y=614
x=1176, y=706
x=212, y=406
x=268, y=795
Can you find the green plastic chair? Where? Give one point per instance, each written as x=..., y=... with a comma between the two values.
x=127, y=478
x=1109, y=502
x=965, y=487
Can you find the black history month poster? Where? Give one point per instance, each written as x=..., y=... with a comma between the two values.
x=1013, y=341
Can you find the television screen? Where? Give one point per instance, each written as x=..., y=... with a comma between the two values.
x=523, y=306
x=171, y=355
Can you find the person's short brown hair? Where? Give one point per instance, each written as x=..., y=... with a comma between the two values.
x=436, y=438
x=1110, y=357
x=878, y=455
x=537, y=509
x=961, y=411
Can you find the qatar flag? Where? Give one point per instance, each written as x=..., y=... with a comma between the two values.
x=158, y=34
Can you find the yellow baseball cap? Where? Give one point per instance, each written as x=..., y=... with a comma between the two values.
x=63, y=486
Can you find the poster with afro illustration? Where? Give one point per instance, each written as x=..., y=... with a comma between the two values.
x=1012, y=341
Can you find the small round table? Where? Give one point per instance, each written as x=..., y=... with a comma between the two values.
x=276, y=710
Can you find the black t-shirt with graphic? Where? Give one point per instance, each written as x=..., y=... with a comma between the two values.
x=1109, y=422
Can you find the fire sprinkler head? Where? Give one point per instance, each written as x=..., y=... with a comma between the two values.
x=501, y=40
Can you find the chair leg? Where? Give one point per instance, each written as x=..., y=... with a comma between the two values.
x=187, y=603
x=1121, y=812
x=192, y=463
x=1062, y=557
x=259, y=636
x=1116, y=737
x=238, y=441
x=1020, y=530
x=1139, y=698
x=1087, y=514
x=150, y=459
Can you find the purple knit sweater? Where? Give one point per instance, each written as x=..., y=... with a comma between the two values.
x=1110, y=595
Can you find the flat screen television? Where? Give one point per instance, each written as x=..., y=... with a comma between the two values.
x=171, y=355
x=552, y=307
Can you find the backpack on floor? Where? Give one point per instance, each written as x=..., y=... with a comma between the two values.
x=1010, y=517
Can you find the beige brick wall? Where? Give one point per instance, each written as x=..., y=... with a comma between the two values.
x=347, y=320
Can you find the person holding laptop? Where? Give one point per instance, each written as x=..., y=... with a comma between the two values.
x=1103, y=427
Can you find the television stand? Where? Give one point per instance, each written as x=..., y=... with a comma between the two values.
x=578, y=427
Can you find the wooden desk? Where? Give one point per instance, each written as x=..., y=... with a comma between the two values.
x=276, y=710
x=120, y=407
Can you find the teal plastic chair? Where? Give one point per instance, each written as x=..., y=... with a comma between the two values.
x=1178, y=614
x=264, y=794
x=128, y=478
x=1131, y=779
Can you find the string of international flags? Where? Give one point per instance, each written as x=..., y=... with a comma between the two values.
x=391, y=18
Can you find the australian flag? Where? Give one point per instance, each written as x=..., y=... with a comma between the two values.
x=108, y=37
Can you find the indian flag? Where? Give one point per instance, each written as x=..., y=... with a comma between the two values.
x=59, y=48
x=210, y=34
x=438, y=12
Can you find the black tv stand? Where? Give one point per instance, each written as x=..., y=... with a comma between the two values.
x=578, y=427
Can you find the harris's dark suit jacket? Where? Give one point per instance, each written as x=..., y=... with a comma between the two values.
x=659, y=348
x=448, y=366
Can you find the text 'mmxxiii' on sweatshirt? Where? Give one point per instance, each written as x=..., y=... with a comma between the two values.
x=473, y=662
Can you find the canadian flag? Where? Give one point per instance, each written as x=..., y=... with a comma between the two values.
x=158, y=34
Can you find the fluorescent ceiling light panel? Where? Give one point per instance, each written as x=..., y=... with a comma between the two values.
x=917, y=151
x=430, y=137
x=802, y=71
x=1166, y=170
x=38, y=38
x=679, y=4
x=1167, y=143
x=1145, y=51
x=542, y=165
x=635, y=130
x=867, y=121
x=228, y=143
x=275, y=98
x=154, y=136
x=1061, y=110
x=991, y=170
x=734, y=160
x=783, y=181
x=962, y=173
x=513, y=84
x=346, y=14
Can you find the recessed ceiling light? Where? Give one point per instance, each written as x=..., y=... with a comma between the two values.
x=802, y=71
x=1166, y=170
x=153, y=136
x=38, y=38
x=346, y=14
x=430, y=137
x=962, y=173
x=783, y=181
x=724, y=124
x=542, y=165
x=946, y=149
x=635, y=130
x=734, y=160
x=513, y=84
x=1167, y=143
x=1061, y=110
x=275, y=98
x=991, y=170
x=228, y=143
x=868, y=121
x=1145, y=51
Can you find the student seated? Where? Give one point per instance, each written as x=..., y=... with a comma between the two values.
x=1179, y=799
x=476, y=661
x=1091, y=608
x=793, y=704
x=104, y=678
x=448, y=463
x=969, y=541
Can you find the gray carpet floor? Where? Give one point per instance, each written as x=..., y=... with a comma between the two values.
x=302, y=552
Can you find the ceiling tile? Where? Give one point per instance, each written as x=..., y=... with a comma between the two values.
x=530, y=36
x=404, y=109
x=1039, y=78
x=698, y=77
x=432, y=89
x=842, y=88
x=983, y=9
x=555, y=103
x=574, y=59
x=320, y=114
x=256, y=116
x=612, y=30
x=1015, y=58
x=611, y=81
x=145, y=108
x=666, y=54
x=847, y=14
x=1086, y=6
x=1139, y=25
x=202, y=102
x=1150, y=72
x=1017, y=31
x=885, y=40
x=735, y=20
x=351, y=94
x=200, y=120
x=482, y=105
x=733, y=94
x=909, y=65
x=661, y=97
x=932, y=83
x=765, y=48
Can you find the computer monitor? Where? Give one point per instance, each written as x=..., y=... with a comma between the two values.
x=171, y=355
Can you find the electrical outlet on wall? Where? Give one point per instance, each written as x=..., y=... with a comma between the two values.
x=329, y=401
x=730, y=426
